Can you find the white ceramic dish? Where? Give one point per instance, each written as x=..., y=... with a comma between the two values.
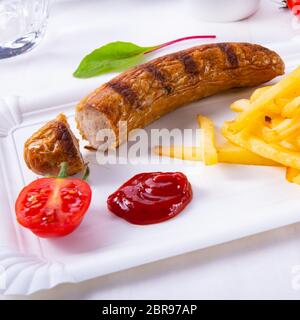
x=225, y=10
x=230, y=201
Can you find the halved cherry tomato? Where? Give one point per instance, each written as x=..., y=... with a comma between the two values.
x=53, y=207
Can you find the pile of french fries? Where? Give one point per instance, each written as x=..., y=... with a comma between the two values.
x=266, y=131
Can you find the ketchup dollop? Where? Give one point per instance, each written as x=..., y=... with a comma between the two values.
x=151, y=197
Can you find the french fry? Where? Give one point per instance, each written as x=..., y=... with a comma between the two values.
x=292, y=108
x=228, y=153
x=256, y=145
x=256, y=126
x=292, y=175
x=209, y=151
x=273, y=107
x=266, y=131
x=289, y=145
x=258, y=92
x=275, y=120
x=281, y=102
x=284, y=130
x=277, y=103
x=288, y=86
x=240, y=105
x=296, y=141
x=180, y=152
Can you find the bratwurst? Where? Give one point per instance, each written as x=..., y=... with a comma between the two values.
x=145, y=93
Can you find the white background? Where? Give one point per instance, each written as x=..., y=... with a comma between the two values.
x=260, y=266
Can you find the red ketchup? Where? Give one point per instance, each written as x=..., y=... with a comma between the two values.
x=151, y=197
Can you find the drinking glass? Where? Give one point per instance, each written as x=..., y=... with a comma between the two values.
x=22, y=25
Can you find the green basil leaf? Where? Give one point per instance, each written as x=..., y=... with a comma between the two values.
x=114, y=56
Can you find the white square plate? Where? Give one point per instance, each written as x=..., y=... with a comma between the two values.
x=230, y=201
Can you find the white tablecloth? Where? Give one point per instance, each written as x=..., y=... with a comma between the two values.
x=261, y=266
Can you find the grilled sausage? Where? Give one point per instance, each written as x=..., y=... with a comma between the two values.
x=51, y=145
x=148, y=91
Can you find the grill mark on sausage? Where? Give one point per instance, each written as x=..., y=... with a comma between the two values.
x=125, y=91
x=168, y=89
x=190, y=66
x=64, y=136
x=159, y=76
x=230, y=54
